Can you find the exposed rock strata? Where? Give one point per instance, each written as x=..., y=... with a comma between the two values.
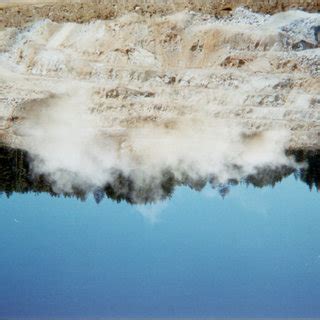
x=18, y=13
x=250, y=69
x=187, y=95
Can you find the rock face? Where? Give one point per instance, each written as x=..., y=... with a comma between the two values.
x=19, y=12
x=259, y=71
x=184, y=92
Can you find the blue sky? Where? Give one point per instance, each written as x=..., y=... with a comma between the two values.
x=256, y=253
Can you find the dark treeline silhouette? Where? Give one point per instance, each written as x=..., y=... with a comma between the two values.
x=311, y=173
x=16, y=176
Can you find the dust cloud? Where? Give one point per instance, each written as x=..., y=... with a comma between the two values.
x=186, y=97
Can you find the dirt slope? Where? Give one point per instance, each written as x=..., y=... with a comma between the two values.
x=19, y=12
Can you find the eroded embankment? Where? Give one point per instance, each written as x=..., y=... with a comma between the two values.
x=186, y=94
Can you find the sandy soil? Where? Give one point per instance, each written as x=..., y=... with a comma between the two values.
x=20, y=12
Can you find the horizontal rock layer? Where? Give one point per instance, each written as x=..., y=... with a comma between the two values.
x=18, y=13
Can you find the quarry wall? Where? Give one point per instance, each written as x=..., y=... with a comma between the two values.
x=18, y=13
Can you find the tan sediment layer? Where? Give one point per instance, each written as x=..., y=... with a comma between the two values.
x=17, y=13
x=161, y=72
